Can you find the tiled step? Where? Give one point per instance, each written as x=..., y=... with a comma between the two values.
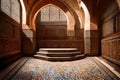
x=79, y=56
x=59, y=54
x=59, y=58
x=58, y=49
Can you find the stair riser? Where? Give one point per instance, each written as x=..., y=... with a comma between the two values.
x=42, y=58
x=63, y=54
x=54, y=59
x=59, y=55
x=60, y=59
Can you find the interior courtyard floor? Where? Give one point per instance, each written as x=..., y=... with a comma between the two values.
x=89, y=68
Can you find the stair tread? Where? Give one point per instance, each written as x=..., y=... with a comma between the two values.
x=42, y=52
x=49, y=49
x=59, y=52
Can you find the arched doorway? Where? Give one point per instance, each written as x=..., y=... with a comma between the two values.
x=72, y=22
x=52, y=32
x=51, y=27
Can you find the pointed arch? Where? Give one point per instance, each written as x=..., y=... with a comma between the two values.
x=87, y=16
x=23, y=12
x=41, y=4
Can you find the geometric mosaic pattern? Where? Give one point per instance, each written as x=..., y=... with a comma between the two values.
x=62, y=16
x=52, y=13
x=5, y=6
x=45, y=14
x=35, y=69
x=15, y=10
x=11, y=8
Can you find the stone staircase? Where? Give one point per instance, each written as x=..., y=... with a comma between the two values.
x=59, y=54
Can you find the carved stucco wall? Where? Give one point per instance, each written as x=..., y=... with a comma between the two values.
x=11, y=8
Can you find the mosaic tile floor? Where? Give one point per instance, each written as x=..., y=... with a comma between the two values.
x=84, y=69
